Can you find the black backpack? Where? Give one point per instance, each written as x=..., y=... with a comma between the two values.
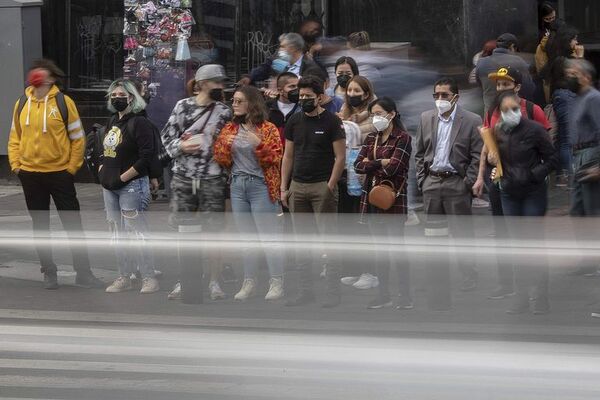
x=94, y=149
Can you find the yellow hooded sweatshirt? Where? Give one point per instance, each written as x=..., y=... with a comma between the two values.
x=44, y=145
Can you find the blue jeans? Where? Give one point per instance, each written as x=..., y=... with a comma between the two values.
x=257, y=218
x=125, y=214
x=529, y=204
x=585, y=199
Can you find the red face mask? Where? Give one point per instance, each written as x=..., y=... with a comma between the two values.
x=37, y=77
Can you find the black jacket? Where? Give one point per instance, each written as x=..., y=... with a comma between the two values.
x=124, y=149
x=276, y=117
x=527, y=155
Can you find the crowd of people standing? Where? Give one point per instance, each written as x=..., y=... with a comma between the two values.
x=309, y=152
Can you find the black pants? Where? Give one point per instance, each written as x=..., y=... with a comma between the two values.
x=387, y=230
x=506, y=274
x=38, y=188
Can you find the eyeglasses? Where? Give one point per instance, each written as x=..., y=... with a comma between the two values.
x=237, y=102
x=307, y=98
x=375, y=114
x=443, y=96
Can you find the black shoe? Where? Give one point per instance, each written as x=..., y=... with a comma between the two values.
x=520, y=306
x=404, y=303
x=301, y=300
x=50, y=280
x=88, y=280
x=469, y=285
x=541, y=306
x=379, y=303
x=332, y=301
x=500, y=293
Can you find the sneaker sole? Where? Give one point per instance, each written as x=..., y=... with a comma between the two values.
x=500, y=297
x=595, y=315
x=380, y=306
x=149, y=291
x=119, y=291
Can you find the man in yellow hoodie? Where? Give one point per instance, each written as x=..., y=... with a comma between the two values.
x=45, y=150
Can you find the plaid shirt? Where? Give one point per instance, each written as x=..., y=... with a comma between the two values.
x=397, y=148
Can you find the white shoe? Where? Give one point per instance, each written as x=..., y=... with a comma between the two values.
x=412, y=219
x=275, y=289
x=176, y=292
x=480, y=203
x=349, y=280
x=323, y=274
x=121, y=284
x=366, y=281
x=248, y=289
x=216, y=293
x=149, y=285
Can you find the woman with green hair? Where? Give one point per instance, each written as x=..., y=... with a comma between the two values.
x=128, y=146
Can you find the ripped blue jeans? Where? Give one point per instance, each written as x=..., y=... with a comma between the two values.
x=125, y=210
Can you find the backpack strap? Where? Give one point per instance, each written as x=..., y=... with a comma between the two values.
x=63, y=109
x=17, y=117
x=529, y=106
x=60, y=102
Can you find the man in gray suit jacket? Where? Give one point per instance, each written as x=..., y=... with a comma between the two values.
x=448, y=147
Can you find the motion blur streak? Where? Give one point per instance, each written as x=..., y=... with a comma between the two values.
x=122, y=361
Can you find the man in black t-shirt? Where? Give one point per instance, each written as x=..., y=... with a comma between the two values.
x=314, y=158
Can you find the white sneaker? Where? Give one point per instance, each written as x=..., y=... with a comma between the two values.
x=176, y=292
x=412, y=219
x=349, y=280
x=248, y=289
x=366, y=281
x=121, y=284
x=323, y=273
x=480, y=203
x=216, y=293
x=149, y=285
x=275, y=289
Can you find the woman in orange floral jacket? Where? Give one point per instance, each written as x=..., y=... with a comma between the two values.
x=250, y=147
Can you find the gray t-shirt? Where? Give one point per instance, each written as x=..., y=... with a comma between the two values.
x=244, y=157
x=585, y=118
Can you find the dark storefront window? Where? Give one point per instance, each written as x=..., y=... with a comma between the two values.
x=95, y=40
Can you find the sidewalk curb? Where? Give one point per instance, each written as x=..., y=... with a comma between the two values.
x=551, y=333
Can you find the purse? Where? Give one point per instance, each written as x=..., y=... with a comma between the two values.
x=384, y=195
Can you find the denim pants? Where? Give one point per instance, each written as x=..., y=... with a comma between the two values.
x=536, y=274
x=585, y=199
x=125, y=210
x=257, y=218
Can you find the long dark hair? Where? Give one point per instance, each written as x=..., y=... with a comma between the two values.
x=257, y=110
x=347, y=60
x=545, y=9
x=560, y=44
x=389, y=105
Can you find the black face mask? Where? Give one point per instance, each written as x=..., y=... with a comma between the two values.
x=356, y=101
x=573, y=84
x=294, y=96
x=216, y=94
x=343, y=81
x=308, y=105
x=119, y=103
x=239, y=119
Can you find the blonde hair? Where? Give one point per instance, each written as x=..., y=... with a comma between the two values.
x=137, y=104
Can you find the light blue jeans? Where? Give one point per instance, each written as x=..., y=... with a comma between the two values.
x=125, y=210
x=258, y=219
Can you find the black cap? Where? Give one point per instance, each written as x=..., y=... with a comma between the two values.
x=507, y=74
x=506, y=39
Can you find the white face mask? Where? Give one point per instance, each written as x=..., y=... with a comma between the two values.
x=511, y=118
x=443, y=106
x=381, y=123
